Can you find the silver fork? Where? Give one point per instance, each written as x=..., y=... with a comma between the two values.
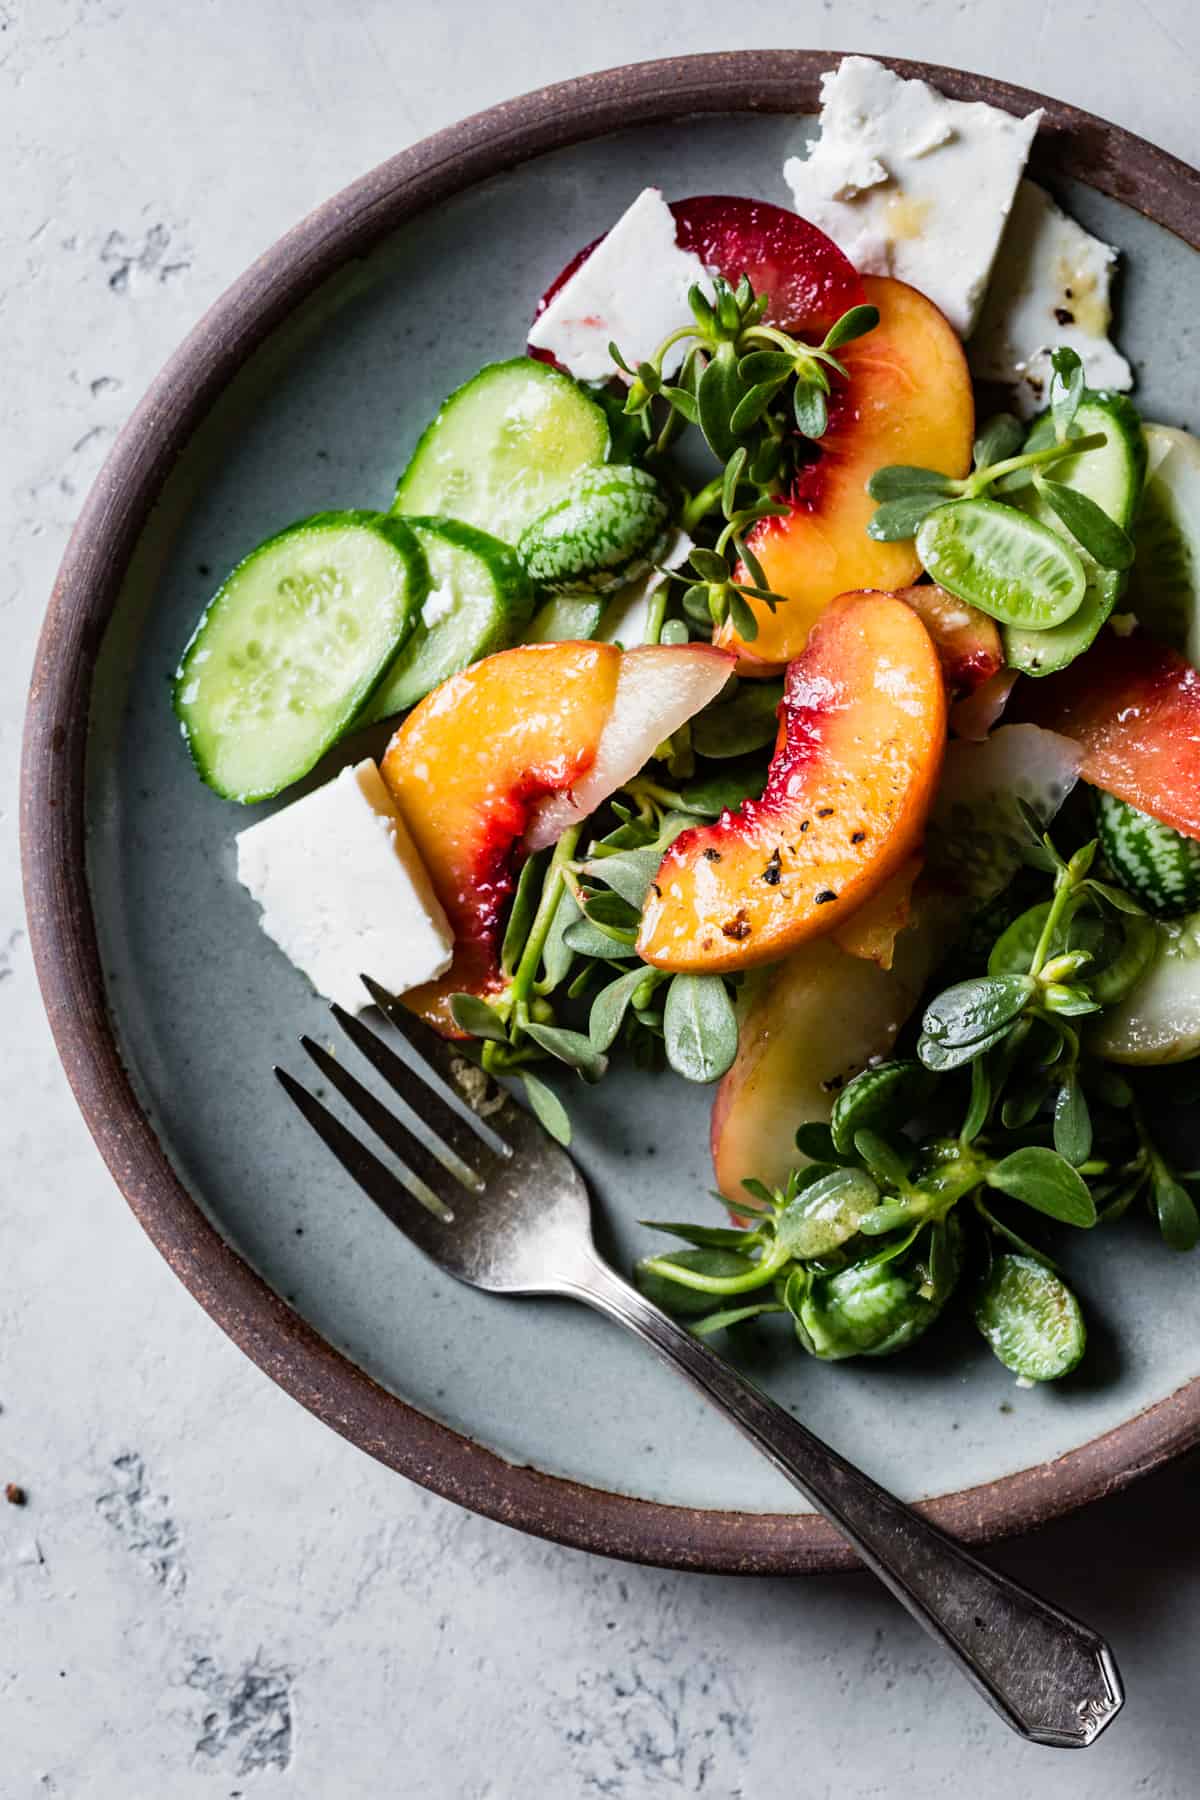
x=497, y=1203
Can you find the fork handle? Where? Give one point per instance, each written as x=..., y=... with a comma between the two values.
x=1053, y=1679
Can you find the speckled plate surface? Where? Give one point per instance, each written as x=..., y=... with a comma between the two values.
x=305, y=388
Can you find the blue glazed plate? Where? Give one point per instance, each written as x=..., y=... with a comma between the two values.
x=305, y=389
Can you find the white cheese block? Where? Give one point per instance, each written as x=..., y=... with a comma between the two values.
x=632, y=291
x=343, y=891
x=627, y=614
x=1050, y=287
x=911, y=184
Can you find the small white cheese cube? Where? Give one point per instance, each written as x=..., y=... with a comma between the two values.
x=911, y=184
x=1050, y=287
x=343, y=891
x=632, y=291
x=627, y=614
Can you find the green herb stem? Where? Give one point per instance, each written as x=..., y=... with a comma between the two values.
x=525, y=974
x=760, y=1276
x=1031, y=459
x=701, y=504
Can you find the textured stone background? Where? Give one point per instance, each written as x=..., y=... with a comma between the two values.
x=207, y=1593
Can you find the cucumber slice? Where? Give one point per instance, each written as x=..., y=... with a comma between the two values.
x=503, y=448
x=1158, y=1021
x=602, y=532
x=1164, y=584
x=566, y=618
x=1111, y=476
x=1159, y=866
x=292, y=646
x=479, y=599
x=1003, y=562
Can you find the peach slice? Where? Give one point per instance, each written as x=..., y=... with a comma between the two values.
x=863, y=726
x=872, y=931
x=659, y=687
x=466, y=769
x=520, y=747
x=968, y=643
x=807, y=1026
x=908, y=400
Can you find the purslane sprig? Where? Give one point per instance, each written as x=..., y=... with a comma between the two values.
x=1004, y=462
x=756, y=393
x=1000, y=1108
x=574, y=986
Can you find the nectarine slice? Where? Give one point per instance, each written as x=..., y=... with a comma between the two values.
x=466, y=769
x=863, y=726
x=908, y=400
x=968, y=643
x=807, y=1026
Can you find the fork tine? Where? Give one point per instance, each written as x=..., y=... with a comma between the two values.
x=422, y=1086
x=424, y=1160
x=377, y=1182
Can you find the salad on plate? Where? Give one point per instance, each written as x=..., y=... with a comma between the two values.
x=769, y=700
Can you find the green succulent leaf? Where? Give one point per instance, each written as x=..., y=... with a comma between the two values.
x=974, y=1009
x=1043, y=1179
x=898, y=520
x=1002, y=437
x=1174, y=1209
x=547, y=1107
x=699, y=1027
x=1089, y=524
x=904, y=481
x=477, y=1018
x=853, y=324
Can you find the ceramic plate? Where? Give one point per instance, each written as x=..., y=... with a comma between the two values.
x=305, y=388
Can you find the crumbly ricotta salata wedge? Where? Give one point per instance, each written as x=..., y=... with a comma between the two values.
x=343, y=889
x=1050, y=287
x=912, y=184
x=632, y=290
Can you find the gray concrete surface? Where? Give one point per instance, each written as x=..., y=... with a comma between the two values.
x=207, y=1594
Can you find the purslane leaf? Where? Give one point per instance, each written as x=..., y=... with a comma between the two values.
x=546, y=1106
x=1043, y=1179
x=1088, y=524
x=477, y=1018
x=699, y=1027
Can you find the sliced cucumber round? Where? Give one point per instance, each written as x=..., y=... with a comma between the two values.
x=566, y=618
x=1158, y=1021
x=479, y=600
x=1113, y=476
x=292, y=646
x=1164, y=584
x=503, y=448
x=601, y=533
x=1003, y=562
x=1159, y=866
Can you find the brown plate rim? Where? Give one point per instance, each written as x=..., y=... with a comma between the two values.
x=62, y=929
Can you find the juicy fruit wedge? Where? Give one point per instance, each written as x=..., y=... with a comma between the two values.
x=467, y=768
x=967, y=641
x=908, y=400
x=505, y=757
x=1133, y=708
x=659, y=688
x=809, y=281
x=863, y=725
x=807, y=1027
